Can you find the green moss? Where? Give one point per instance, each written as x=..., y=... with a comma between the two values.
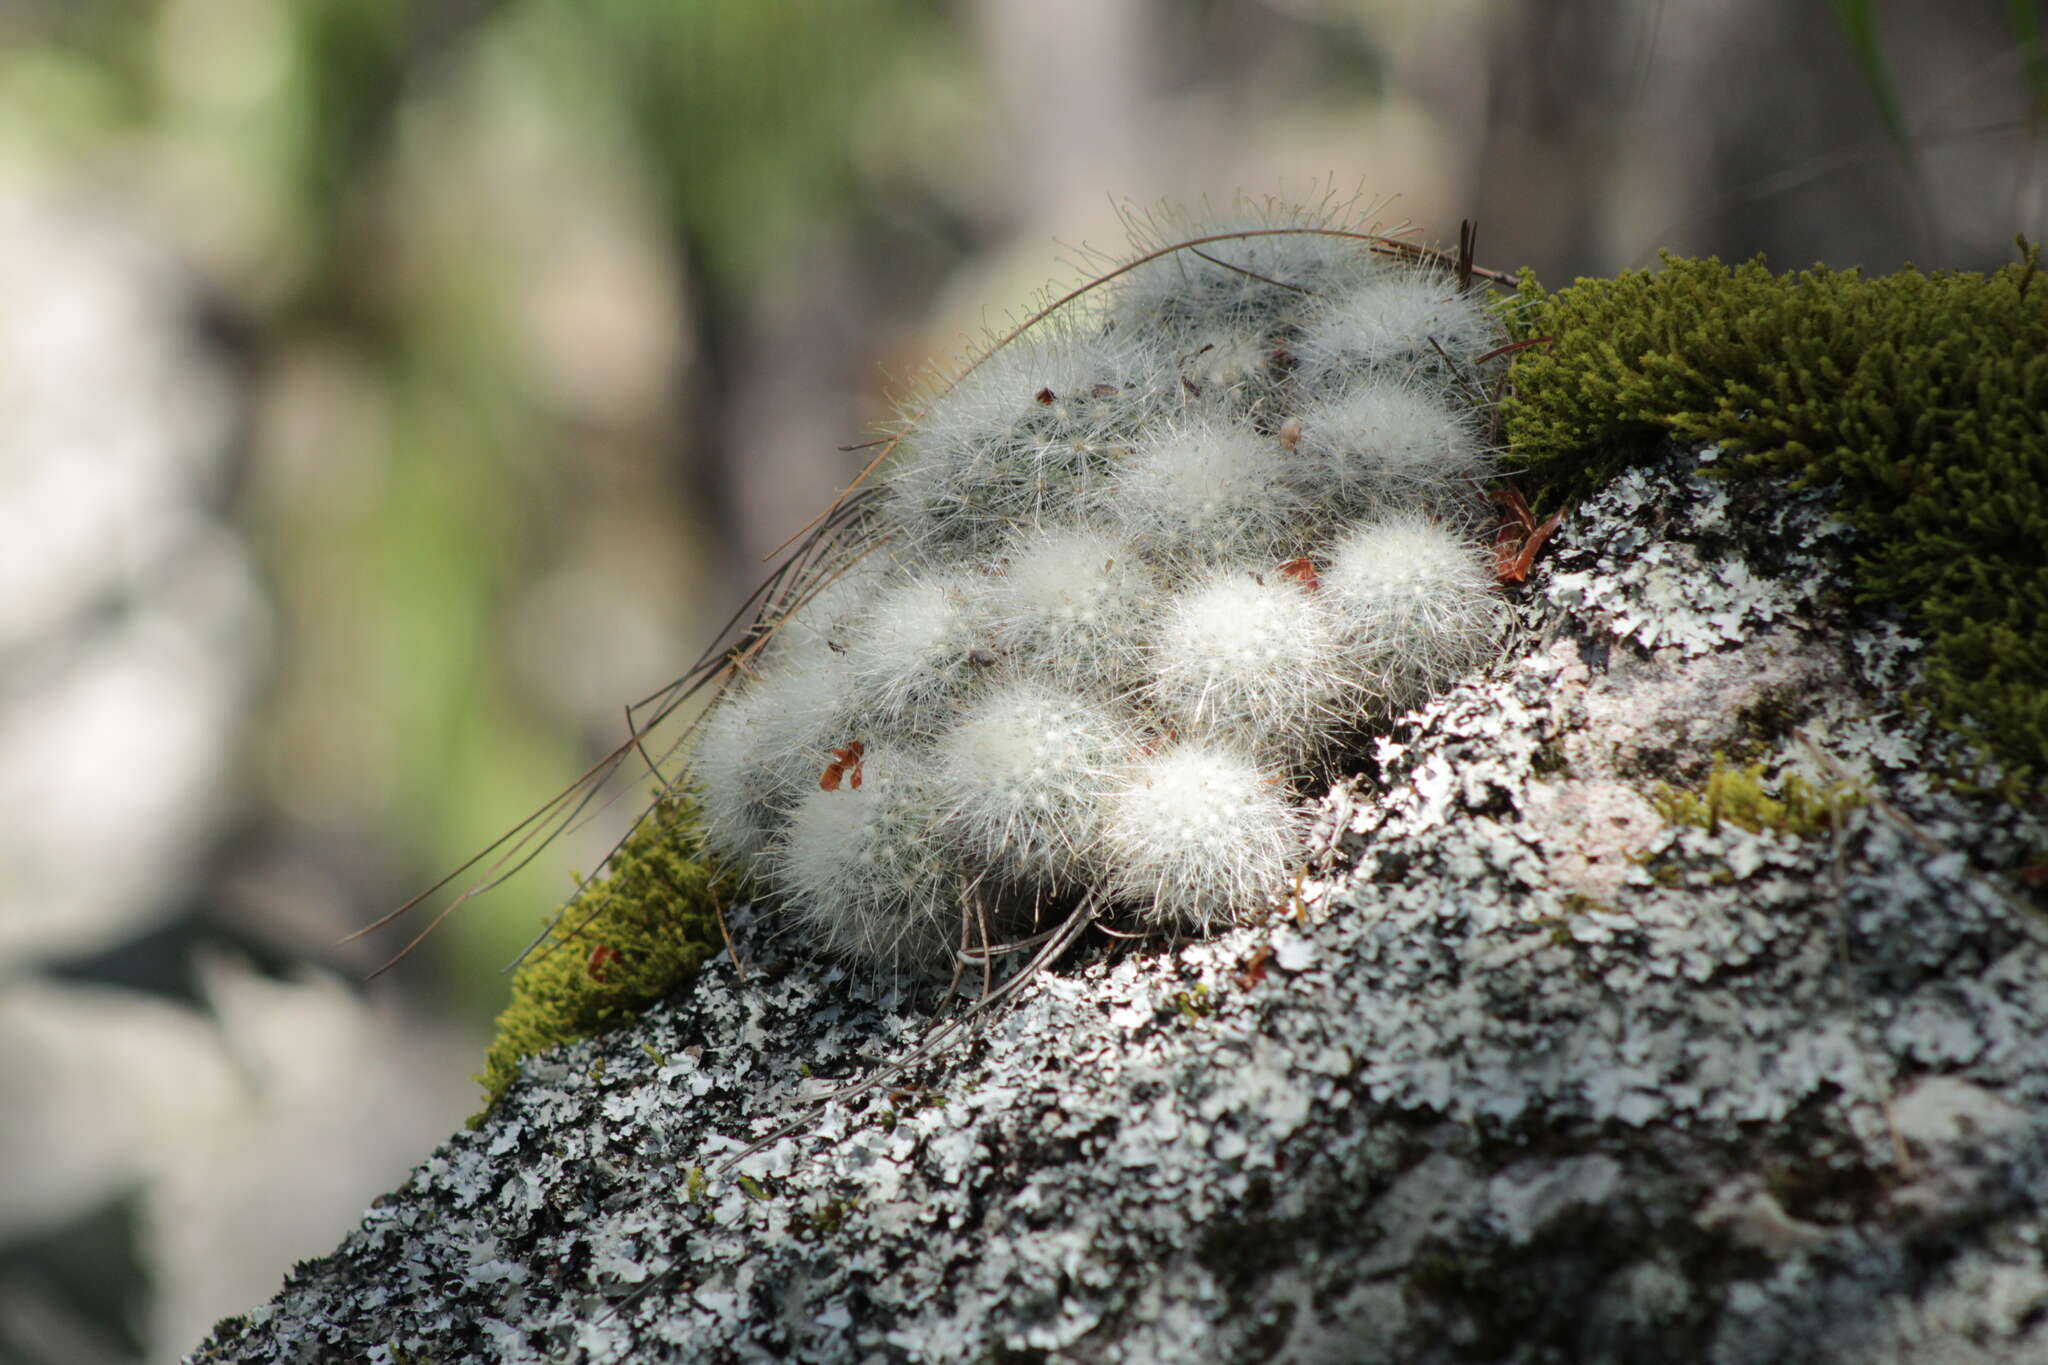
x=1665, y=874
x=1737, y=796
x=628, y=940
x=830, y=1216
x=1924, y=397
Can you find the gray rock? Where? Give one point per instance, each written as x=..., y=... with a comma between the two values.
x=1524, y=1073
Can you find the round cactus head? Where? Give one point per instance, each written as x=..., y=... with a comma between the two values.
x=1196, y=832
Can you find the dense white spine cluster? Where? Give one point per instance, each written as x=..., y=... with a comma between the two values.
x=1412, y=601
x=1077, y=601
x=1024, y=777
x=1403, y=323
x=1387, y=444
x=1138, y=574
x=917, y=651
x=1251, y=659
x=1202, y=491
x=866, y=867
x=1198, y=831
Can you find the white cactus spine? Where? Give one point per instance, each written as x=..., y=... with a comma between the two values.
x=1415, y=603
x=1250, y=658
x=1196, y=832
x=1079, y=603
x=1022, y=784
x=1201, y=489
x=865, y=868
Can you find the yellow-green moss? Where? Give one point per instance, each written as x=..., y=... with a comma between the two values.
x=629, y=939
x=830, y=1216
x=1923, y=396
x=1194, y=1004
x=1737, y=796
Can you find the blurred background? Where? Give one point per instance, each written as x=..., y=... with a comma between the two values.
x=391, y=392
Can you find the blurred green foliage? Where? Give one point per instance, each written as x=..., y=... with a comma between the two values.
x=741, y=109
x=1859, y=22
x=327, y=141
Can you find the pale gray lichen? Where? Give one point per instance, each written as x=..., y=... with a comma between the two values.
x=1531, y=1076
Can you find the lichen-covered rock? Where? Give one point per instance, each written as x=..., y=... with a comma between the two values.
x=1519, y=1071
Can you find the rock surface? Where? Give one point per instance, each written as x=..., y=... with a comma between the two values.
x=1522, y=1072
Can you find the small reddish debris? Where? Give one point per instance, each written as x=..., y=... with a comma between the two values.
x=601, y=958
x=1044, y=397
x=845, y=766
x=1303, y=571
x=1255, y=967
x=1519, y=538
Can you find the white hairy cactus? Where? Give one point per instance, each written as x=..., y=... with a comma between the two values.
x=1035, y=429
x=1198, y=831
x=765, y=745
x=1125, y=586
x=1413, y=599
x=919, y=649
x=1409, y=321
x=1251, y=658
x=823, y=615
x=1078, y=603
x=1196, y=490
x=865, y=868
x=1386, y=444
x=1260, y=283
x=1023, y=780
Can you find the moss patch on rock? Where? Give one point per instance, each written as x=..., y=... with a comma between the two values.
x=629, y=939
x=1737, y=796
x=1923, y=396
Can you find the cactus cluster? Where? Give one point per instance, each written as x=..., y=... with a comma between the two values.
x=1126, y=589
